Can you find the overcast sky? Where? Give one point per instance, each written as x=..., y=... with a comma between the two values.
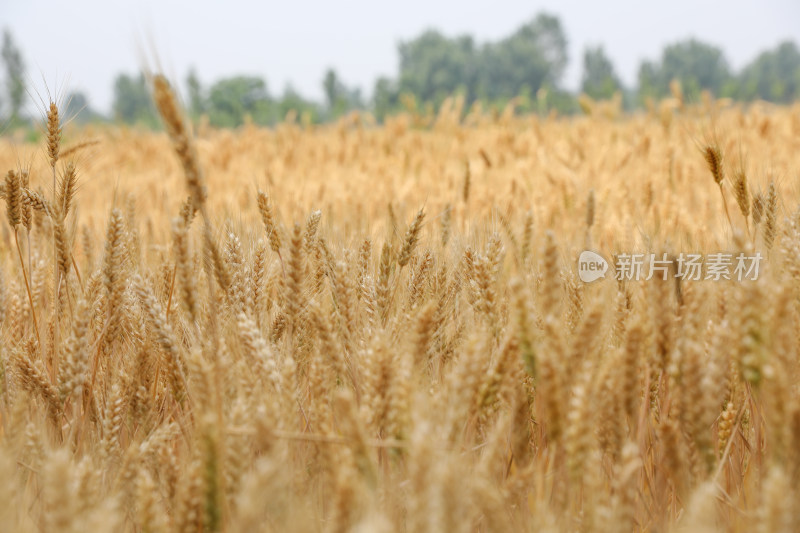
x=89, y=41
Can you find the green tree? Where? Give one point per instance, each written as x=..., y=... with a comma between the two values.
x=338, y=98
x=432, y=67
x=532, y=57
x=231, y=99
x=15, y=76
x=385, y=97
x=78, y=110
x=132, y=103
x=697, y=65
x=197, y=100
x=294, y=101
x=649, y=81
x=774, y=75
x=333, y=88
x=599, y=80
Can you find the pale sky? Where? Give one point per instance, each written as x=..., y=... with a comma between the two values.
x=88, y=42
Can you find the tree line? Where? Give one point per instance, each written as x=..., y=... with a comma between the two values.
x=527, y=66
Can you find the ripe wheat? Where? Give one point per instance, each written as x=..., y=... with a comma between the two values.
x=396, y=338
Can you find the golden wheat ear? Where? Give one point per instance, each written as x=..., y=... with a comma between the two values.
x=411, y=239
x=713, y=157
x=182, y=139
x=741, y=192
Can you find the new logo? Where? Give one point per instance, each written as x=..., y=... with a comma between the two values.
x=591, y=266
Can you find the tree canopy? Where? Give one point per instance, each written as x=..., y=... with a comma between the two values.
x=132, y=102
x=600, y=81
x=774, y=75
x=527, y=66
x=433, y=66
x=699, y=66
x=339, y=99
x=15, y=76
x=230, y=100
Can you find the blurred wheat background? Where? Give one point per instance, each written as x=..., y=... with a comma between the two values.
x=355, y=327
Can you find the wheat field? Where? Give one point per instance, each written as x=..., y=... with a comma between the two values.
x=372, y=328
